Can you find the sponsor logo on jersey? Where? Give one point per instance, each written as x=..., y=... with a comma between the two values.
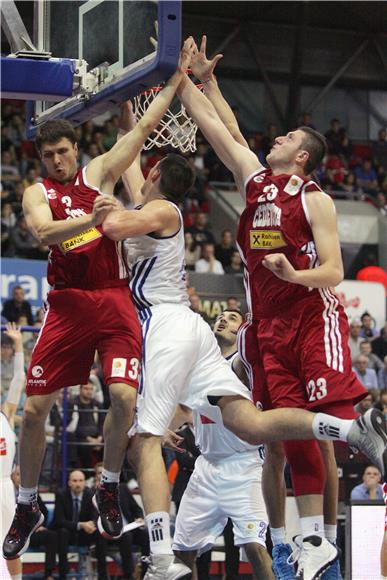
x=266, y=240
x=3, y=446
x=250, y=526
x=80, y=239
x=51, y=193
x=294, y=185
x=118, y=367
x=37, y=371
x=267, y=214
x=258, y=178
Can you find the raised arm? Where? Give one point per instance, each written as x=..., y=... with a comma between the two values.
x=40, y=221
x=17, y=383
x=104, y=171
x=133, y=177
x=203, y=69
x=239, y=160
x=323, y=221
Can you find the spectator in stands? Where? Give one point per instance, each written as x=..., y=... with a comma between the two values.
x=379, y=149
x=195, y=306
x=132, y=513
x=192, y=251
x=32, y=177
x=39, y=317
x=334, y=137
x=109, y=135
x=365, y=404
x=354, y=338
x=17, y=306
x=370, y=488
x=368, y=329
x=225, y=249
x=371, y=272
x=8, y=218
x=350, y=185
x=9, y=171
x=22, y=243
x=74, y=520
x=374, y=361
x=42, y=537
x=381, y=202
x=236, y=266
x=366, y=176
x=208, y=264
x=379, y=344
x=87, y=420
x=232, y=303
x=365, y=375
x=382, y=377
x=199, y=230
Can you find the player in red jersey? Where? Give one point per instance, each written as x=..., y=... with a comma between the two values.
x=89, y=308
x=289, y=244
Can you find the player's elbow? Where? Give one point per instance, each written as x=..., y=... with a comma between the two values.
x=337, y=275
x=42, y=234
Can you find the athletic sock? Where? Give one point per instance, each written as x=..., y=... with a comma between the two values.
x=16, y=577
x=278, y=536
x=312, y=526
x=330, y=428
x=159, y=533
x=110, y=476
x=331, y=532
x=27, y=495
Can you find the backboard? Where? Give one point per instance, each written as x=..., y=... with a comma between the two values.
x=112, y=36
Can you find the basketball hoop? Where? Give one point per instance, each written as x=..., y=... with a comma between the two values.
x=176, y=128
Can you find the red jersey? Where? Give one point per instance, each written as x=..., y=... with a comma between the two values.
x=88, y=260
x=275, y=220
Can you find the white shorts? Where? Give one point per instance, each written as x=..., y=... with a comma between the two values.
x=8, y=503
x=182, y=363
x=230, y=488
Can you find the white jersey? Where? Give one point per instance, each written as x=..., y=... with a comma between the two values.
x=157, y=268
x=214, y=440
x=7, y=447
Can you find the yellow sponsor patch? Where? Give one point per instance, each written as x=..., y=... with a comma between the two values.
x=80, y=239
x=266, y=240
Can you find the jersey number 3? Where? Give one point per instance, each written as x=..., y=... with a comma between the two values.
x=317, y=389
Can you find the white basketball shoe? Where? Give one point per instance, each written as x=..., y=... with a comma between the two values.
x=313, y=556
x=166, y=567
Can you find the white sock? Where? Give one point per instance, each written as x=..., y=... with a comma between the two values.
x=329, y=428
x=312, y=526
x=278, y=536
x=159, y=533
x=27, y=495
x=330, y=532
x=16, y=577
x=110, y=476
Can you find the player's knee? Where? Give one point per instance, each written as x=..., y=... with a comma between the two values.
x=122, y=398
x=255, y=552
x=33, y=415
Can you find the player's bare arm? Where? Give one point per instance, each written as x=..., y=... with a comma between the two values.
x=239, y=370
x=157, y=216
x=104, y=171
x=11, y=403
x=133, y=177
x=239, y=160
x=49, y=231
x=323, y=222
x=203, y=69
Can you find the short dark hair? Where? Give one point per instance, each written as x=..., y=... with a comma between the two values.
x=54, y=131
x=315, y=144
x=176, y=177
x=233, y=310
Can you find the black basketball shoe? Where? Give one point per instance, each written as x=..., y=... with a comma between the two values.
x=27, y=519
x=107, y=502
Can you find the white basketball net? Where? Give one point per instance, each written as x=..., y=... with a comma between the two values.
x=175, y=128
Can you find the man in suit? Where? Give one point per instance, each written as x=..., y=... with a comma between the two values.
x=74, y=519
x=131, y=512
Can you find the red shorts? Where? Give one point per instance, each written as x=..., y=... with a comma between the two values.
x=251, y=358
x=77, y=324
x=306, y=357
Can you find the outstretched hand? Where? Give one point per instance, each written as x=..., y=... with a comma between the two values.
x=14, y=333
x=280, y=266
x=186, y=54
x=103, y=204
x=202, y=67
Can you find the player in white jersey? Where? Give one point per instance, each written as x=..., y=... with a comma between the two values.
x=8, y=445
x=182, y=361
x=226, y=482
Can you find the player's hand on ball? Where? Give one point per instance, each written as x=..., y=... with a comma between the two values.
x=280, y=266
x=201, y=66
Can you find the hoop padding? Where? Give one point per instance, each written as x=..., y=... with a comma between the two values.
x=175, y=128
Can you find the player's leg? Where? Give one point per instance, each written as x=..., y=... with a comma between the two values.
x=273, y=479
x=33, y=437
x=260, y=561
x=189, y=559
x=15, y=569
x=367, y=433
x=383, y=557
x=120, y=354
